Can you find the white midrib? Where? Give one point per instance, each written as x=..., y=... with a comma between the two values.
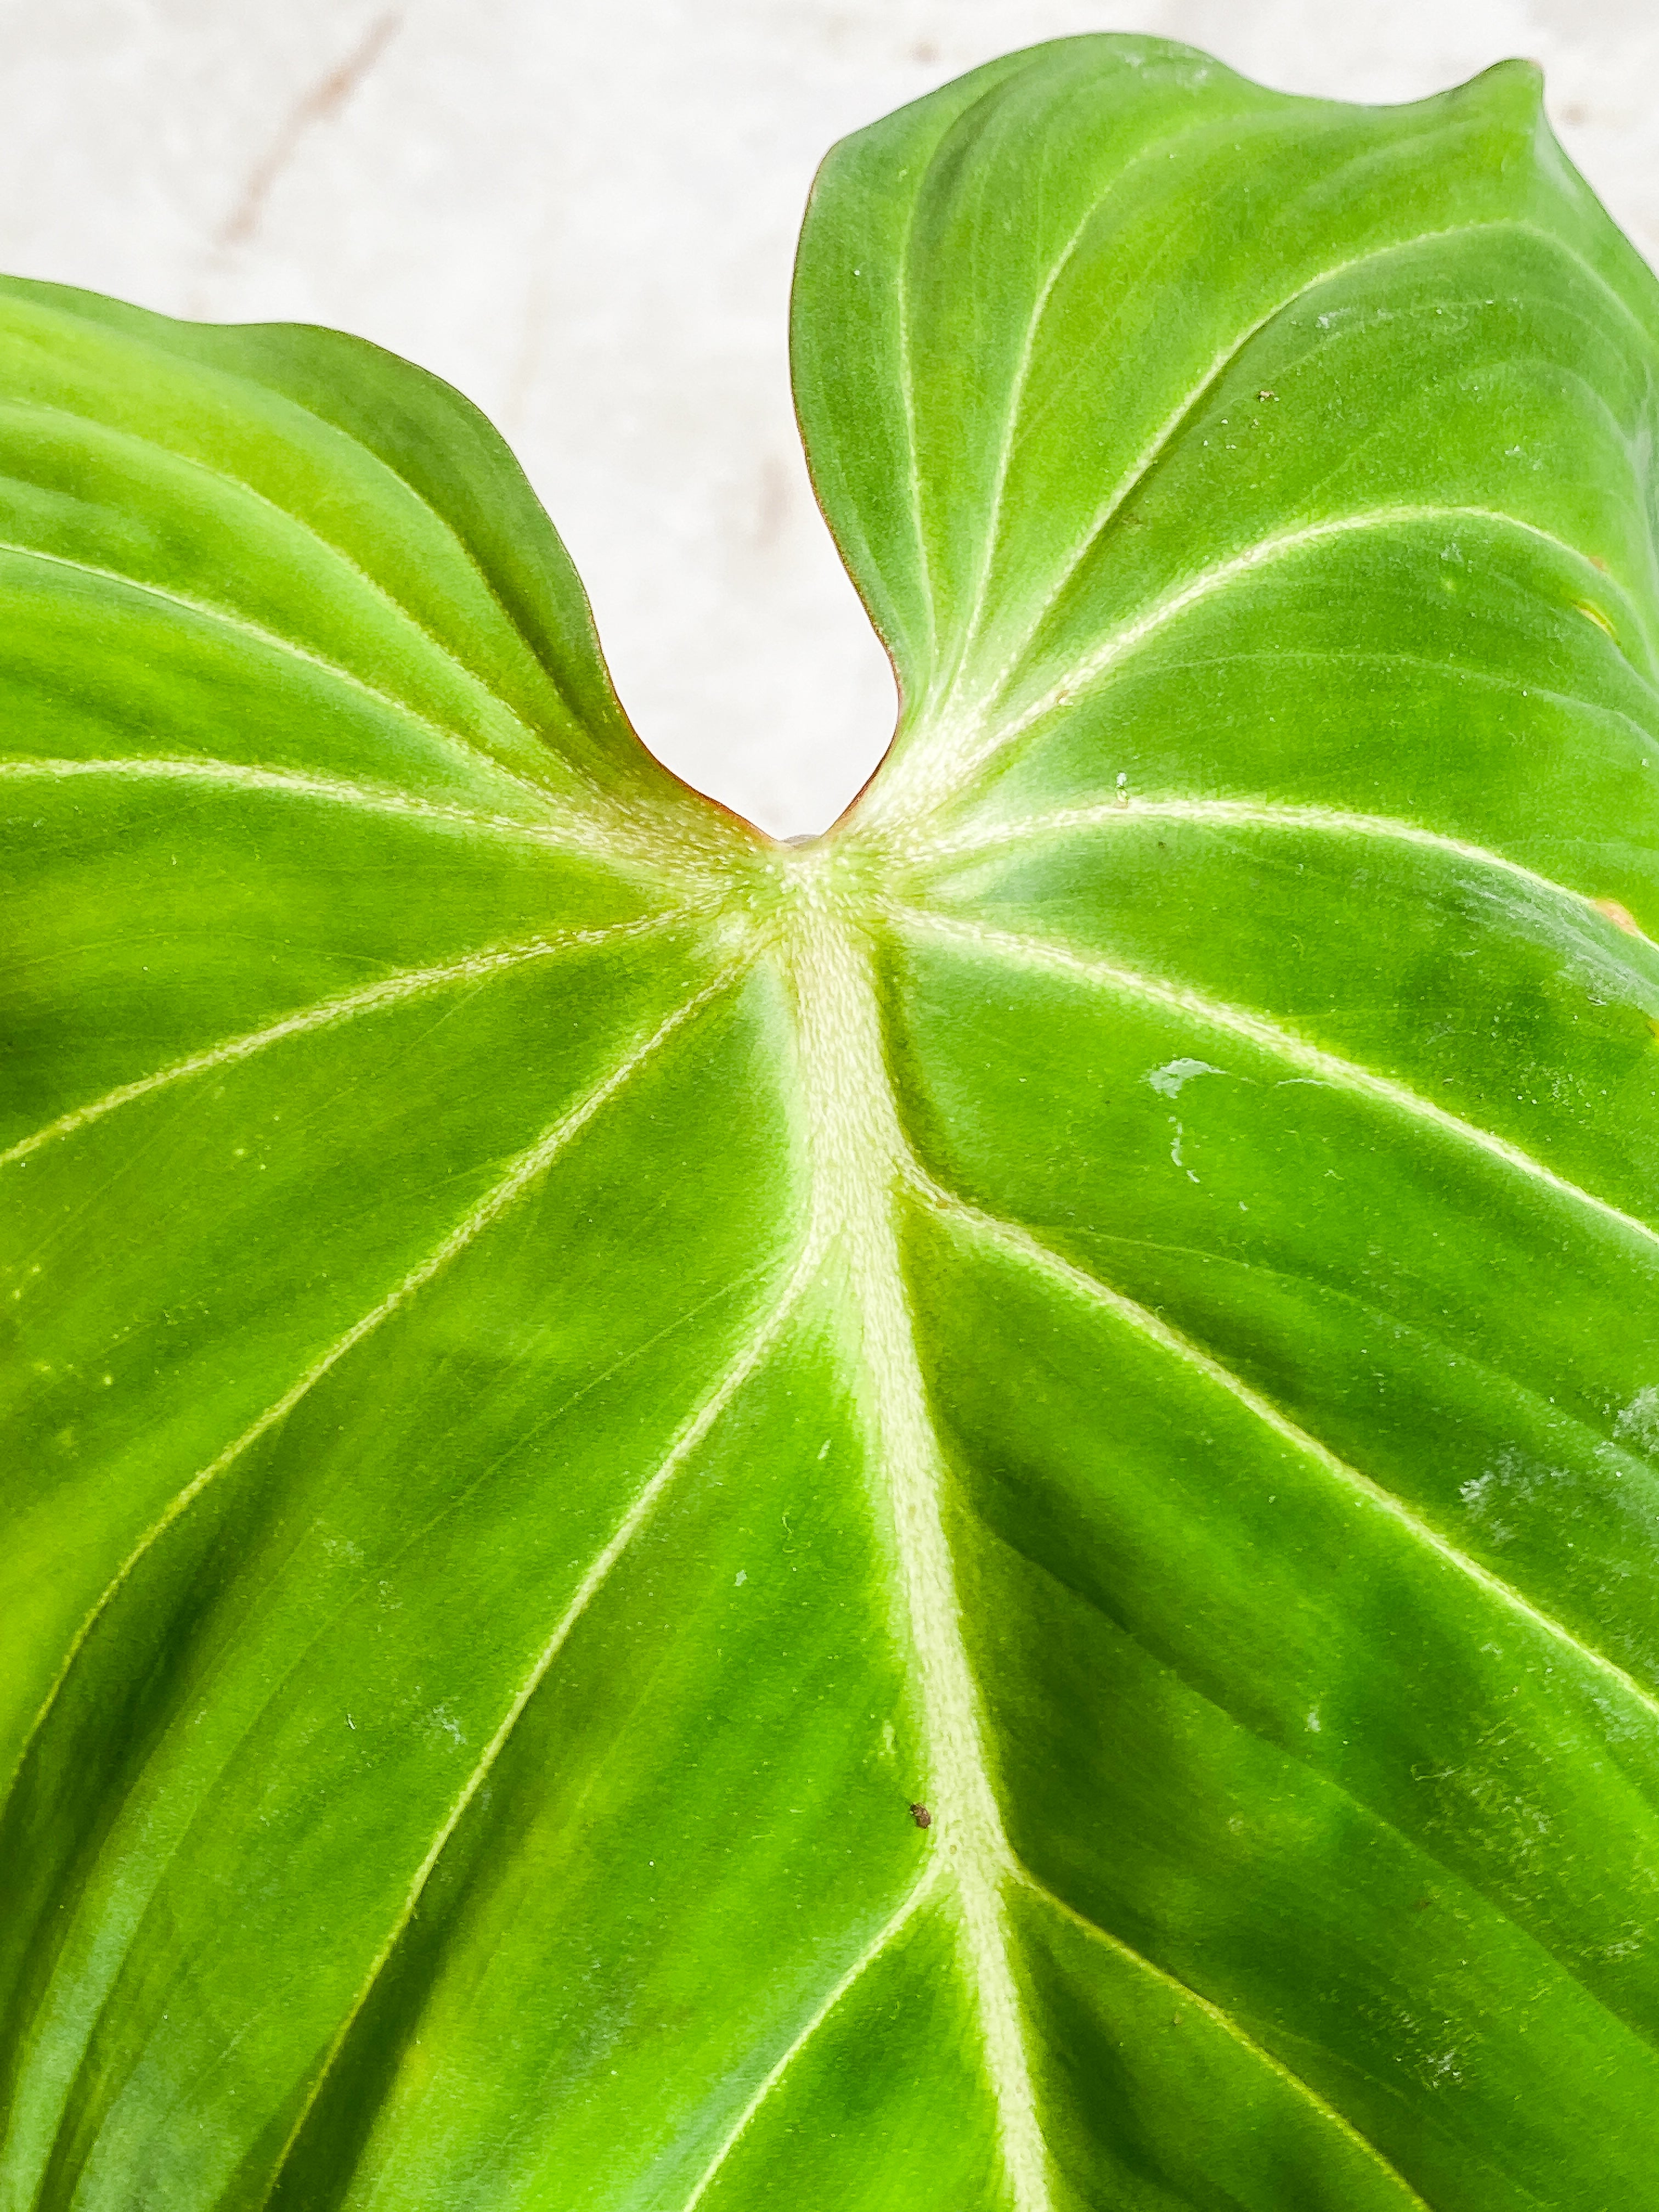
x=857, y=1146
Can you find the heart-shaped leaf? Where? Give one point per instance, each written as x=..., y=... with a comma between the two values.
x=962, y=1518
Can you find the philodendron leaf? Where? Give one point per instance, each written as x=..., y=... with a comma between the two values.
x=964, y=1518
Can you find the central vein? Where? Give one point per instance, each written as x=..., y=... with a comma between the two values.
x=858, y=1152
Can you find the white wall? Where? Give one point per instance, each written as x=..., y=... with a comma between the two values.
x=583, y=213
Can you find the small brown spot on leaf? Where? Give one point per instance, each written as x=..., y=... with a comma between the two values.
x=922, y=1816
x=1620, y=916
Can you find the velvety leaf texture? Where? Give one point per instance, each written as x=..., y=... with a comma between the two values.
x=962, y=1518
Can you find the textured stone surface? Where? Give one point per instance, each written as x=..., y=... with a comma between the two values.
x=583, y=213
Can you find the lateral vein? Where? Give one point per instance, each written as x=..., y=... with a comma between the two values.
x=205, y=611
x=1110, y=192
x=691, y=1436
x=530, y=1165
x=391, y=990
x=1267, y=1037
x=1266, y=551
x=296, y=783
x=1015, y=1238
x=917, y=1896
x=1248, y=814
x=1219, y=2017
x=1225, y=359
x=286, y=516
x=961, y=752
x=907, y=384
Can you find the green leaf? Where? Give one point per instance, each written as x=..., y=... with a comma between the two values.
x=961, y=1517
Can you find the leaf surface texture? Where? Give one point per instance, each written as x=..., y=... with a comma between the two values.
x=574, y=1370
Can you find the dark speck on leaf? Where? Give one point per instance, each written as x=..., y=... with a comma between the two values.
x=922, y=1816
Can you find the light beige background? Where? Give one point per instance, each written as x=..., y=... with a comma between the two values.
x=583, y=213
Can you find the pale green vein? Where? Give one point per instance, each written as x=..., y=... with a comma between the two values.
x=906, y=386
x=1158, y=446
x=857, y=1148
x=1458, y=674
x=1120, y=642
x=389, y=991
x=692, y=1437
x=1569, y=252
x=1564, y=1960
x=309, y=532
x=1018, y=1241
x=1269, y=1037
x=336, y=434
x=926, y=777
x=573, y=835
x=1245, y=813
x=526, y=1169
x=776, y=2072
x=1110, y=193
x=274, y=641
x=1218, y=2017
x=456, y=538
